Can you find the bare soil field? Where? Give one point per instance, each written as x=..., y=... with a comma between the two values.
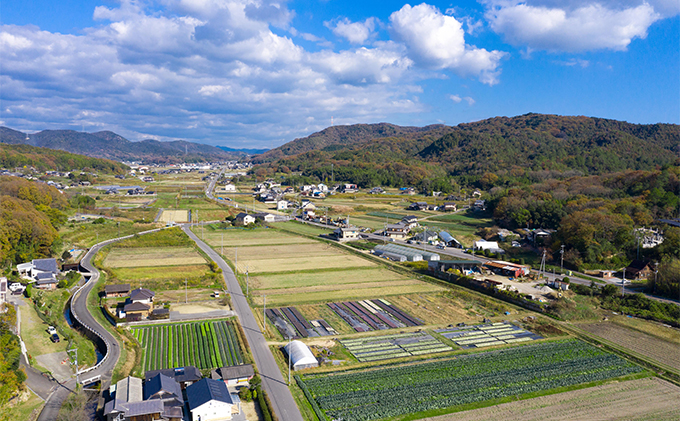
x=305, y=279
x=649, y=399
x=174, y=216
x=657, y=349
x=152, y=256
x=302, y=263
x=347, y=294
x=190, y=295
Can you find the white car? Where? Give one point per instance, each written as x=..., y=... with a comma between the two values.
x=51, y=330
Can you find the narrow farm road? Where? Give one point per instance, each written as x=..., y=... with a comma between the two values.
x=272, y=380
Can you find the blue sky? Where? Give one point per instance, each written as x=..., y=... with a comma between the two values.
x=259, y=73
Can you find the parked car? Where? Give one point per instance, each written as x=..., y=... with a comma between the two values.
x=54, y=338
x=439, y=246
x=51, y=330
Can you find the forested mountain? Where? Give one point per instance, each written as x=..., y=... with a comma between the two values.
x=43, y=159
x=338, y=138
x=109, y=145
x=494, y=152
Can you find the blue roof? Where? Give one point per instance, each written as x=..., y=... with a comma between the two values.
x=206, y=390
x=162, y=383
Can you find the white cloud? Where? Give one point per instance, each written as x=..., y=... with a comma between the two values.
x=458, y=99
x=585, y=27
x=354, y=32
x=437, y=41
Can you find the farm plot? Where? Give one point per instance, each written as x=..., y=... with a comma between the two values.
x=236, y=237
x=367, y=315
x=291, y=323
x=311, y=278
x=177, y=215
x=443, y=383
x=642, y=399
x=301, y=262
x=377, y=348
x=487, y=335
x=153, y=256
x=657, y=349
x=201, y=344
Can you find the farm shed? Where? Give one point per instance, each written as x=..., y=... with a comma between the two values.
x=449, y=240
x=464, y=266
x=392, y=256
x=300, y=355
x=408, y=252
x=117, y=290
x=234, y=374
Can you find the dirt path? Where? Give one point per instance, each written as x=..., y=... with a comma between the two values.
x=649, y=399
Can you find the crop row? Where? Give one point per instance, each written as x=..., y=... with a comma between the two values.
x=404, y=389
x=201, y=344
x=393, y=346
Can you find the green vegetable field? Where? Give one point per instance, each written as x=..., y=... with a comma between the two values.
x=407, y=389
x=200, y=344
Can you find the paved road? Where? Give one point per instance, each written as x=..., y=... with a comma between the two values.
x=272, y=380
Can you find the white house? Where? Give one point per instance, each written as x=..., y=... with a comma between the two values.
x=485, y=245
x=43, y=271
x=264, y=216
x=209, y=400
x=245, y=219
x=322, y=187
x=282, y=205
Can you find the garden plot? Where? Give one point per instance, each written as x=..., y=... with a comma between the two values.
x=443, y=383
x=292, y=324
x=153, y=256
x=378, y=348
x=487, y=335
x=367, y=315
x=201, y=344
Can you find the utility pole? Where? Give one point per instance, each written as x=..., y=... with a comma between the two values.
x=222, y=253
x=236, y=260
x=289, y=360
x=623, y=283
x=264, y=314
x=186, y=292
x=74, y=361
x=562, y=259
x=247, y=282
x=656, y=274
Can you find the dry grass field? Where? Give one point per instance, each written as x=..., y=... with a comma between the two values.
x=659, y=350
x=153, y=256
x=178, y=215
x=339, y=277
x=302, y=262
x=443, y=309
x=648, y=399
x=345, y=293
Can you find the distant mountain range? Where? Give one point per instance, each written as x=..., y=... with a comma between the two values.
x=522, y=144
x=110, y=145
x=248, y=151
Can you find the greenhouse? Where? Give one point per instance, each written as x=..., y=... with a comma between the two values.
x=300, y=355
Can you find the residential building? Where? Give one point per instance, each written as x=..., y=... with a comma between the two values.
x=185, y=376
x=448, y=207
x=426, y=236
x=127, y=403
x=638, y=269
x=3, y=293
x=344, y=234
x=39, y=269
x=209, y=400
x=398, y=231
x=282, y=205
x=245, y=219
x=168, y=391
x=418, y=206
x=411, y=221
x=264, y=216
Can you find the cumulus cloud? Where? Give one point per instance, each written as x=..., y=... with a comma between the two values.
x=571, y=27
x=354, y=32
x=437, y=41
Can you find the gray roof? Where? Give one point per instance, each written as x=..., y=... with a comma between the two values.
x=141, y=294
x=162, y=387
x=117, y=288
x=45, y=278
x=233, y=372
x=135, y=307
x=180, y=374
x=206, y=390
x=45, y=265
